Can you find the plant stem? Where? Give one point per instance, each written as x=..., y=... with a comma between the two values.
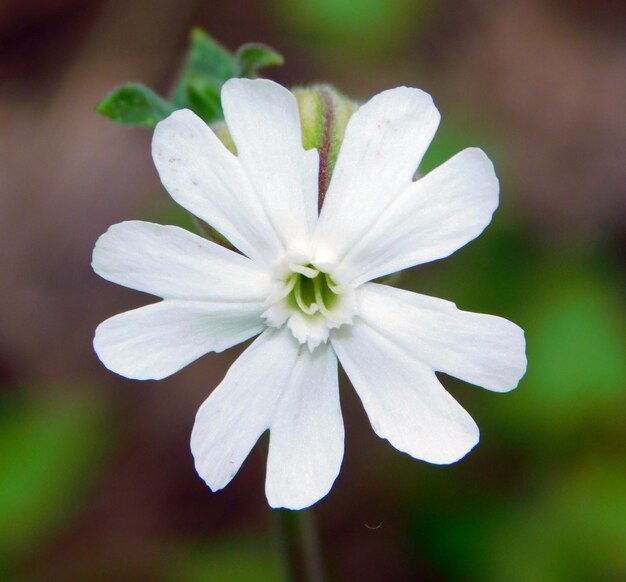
x=299, y=545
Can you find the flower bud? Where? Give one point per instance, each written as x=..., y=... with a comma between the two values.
x=324, y=114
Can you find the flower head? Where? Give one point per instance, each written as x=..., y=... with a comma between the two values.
x=303, y=282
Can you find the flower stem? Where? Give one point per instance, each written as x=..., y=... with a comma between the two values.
x=299, y=545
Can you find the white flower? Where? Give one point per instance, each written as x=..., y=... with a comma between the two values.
x=303, y=284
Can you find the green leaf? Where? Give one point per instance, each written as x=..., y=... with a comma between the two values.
x=208, y=66
x=203, y=96
x=134, y=104
x=251, y=57
x=208, y=59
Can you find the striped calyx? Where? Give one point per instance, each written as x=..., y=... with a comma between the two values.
x=324, y=114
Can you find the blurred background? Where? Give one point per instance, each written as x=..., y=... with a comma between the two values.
x=96, y=479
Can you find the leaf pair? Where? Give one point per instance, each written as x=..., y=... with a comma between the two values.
x=208, y=66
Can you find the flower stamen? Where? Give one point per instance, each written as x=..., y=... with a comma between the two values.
x=306, y=270
x=310, y=302
x=302, y=294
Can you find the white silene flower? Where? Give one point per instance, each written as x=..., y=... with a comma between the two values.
x=303, y=284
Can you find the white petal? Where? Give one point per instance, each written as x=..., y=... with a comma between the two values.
x=306, y=434
x=309, y=329
x=170, y=262
x=240, y=409
x=264, y=122
x=209, y=181
x=279, y=385
x=384, y=143
x=485, y=350
x=155, y=341
x=403, y=399
x=431, y=219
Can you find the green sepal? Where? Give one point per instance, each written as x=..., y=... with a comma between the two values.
x=134, y=104
x=251, y=57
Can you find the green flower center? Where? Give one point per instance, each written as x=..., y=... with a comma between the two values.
x=311, y=290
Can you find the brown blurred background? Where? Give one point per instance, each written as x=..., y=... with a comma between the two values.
x=96, y=479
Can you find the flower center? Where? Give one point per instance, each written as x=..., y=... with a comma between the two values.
x=310, y=303
x=312, y=291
